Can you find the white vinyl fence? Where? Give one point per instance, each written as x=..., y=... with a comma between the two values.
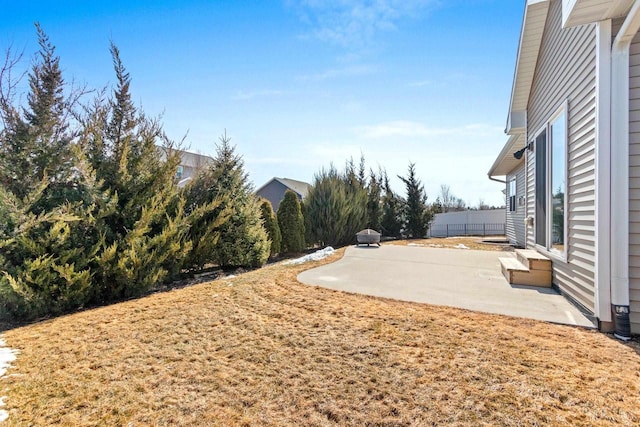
x=469, y=223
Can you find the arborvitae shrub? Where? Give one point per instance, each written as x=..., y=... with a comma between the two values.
x=271, y=226
x=291, y=223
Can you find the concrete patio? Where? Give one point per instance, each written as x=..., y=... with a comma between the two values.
x=460, y=278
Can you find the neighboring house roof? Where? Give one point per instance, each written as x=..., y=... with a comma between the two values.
x=187, y=158
x=299, y=187
x=194, y=160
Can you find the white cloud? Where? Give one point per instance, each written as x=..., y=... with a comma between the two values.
x=333, y=73
x=245, y=96
x=402, y=128
x=354, y=23
x=272, y=161
x=420, y=83
x=335, y=152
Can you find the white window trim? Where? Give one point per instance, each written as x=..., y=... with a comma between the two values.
x=549, y=250
x=543, y=128
x=513, y=194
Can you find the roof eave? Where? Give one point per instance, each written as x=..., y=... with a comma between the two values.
x=580, y=12
x=505, y=162
x=533, y=22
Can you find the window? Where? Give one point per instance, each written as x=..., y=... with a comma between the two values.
x=512, y=195
x=179, y=172
x=551, y=183
x=558, y=181
x=541, y=188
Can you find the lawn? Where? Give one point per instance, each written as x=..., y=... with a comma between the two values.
x=263, y=349
x=459, y=242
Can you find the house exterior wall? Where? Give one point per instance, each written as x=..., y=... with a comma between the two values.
x=273, y=192
x=568, y=79
x=191, y=164
x=515, y=228
x=634, y=182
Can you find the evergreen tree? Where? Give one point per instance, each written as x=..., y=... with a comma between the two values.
x=243, y=239
x=50, y=204
x=146, y=235
x=416, y=213
x=374, y=202
x=207, y=210
x=271, y=226
x=392, y=204
x=291, y=223
x=308, y=234
x=336, y=207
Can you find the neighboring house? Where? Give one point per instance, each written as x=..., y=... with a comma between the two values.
x=275, y=188
x=190, y=164
x=572, y=161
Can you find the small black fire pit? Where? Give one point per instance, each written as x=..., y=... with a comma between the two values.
x=368, y=237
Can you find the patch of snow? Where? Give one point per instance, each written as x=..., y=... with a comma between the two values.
x=7, y=356
x=316, y=256
x=461, y=246
x=415, y=244
x=231, y=276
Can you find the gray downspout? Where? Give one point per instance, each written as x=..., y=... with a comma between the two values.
x=620, y=173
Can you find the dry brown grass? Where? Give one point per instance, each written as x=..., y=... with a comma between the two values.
x=471, y=242
x=262, y=349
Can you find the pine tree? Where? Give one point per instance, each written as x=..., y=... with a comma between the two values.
x=291, y=223
x=243, y=240
x=392, y=217
x=374, y=202
x=271, y=226
x=416, y=213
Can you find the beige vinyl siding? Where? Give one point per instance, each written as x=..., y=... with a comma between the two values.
x=515, y=227
x=634, y=184
x=566, y=73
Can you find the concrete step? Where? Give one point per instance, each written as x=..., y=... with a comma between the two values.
x=533, y=260
x=518, y=274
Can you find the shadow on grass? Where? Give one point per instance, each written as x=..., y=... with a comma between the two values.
x=208, y=274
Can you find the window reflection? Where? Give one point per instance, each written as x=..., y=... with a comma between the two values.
x=558, y=181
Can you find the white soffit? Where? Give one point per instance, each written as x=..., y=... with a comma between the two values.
x=535, y=16
x=505, y=162
x=579, y=12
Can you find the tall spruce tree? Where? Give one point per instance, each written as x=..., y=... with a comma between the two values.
x=392, y=209
x=416, y=212
x=291, y=223
x=243, y=240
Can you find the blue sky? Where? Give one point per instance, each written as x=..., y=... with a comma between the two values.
x=298, y=84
